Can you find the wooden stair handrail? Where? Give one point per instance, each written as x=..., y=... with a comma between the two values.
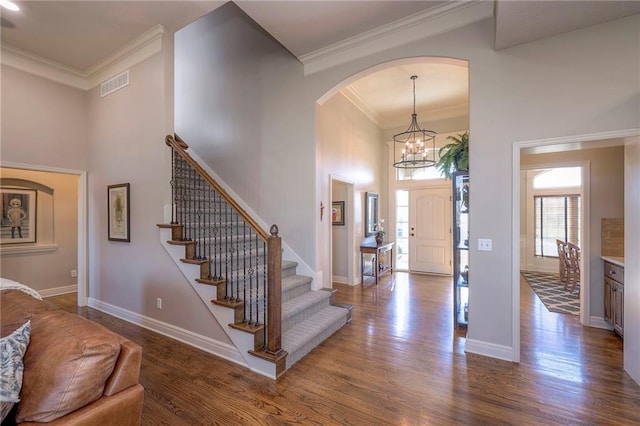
x=180, y=147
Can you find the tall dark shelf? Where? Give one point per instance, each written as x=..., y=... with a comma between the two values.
x=460, y=249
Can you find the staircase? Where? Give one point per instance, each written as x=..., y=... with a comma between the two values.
x=274, y=317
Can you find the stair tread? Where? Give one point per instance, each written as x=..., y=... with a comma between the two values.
x=287, y=264
x=305, y=331
x=302, y=302
x=294, y=281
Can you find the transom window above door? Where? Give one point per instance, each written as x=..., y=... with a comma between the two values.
x=561, y=177
x=425, y=173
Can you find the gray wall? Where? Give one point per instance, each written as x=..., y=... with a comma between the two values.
x=43, y=123
x=240, y=105
x=632, y=257
x=126, y=134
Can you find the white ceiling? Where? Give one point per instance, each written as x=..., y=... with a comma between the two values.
x=77, y=35
x=386, y=97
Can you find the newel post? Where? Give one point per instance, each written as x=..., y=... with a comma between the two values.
x=274, y=285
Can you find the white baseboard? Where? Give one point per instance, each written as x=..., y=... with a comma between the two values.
x=489, y=349
x=223, y=350
x=599, y=322
x=57, y=291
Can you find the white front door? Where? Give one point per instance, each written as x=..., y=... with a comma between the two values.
x=430, y=230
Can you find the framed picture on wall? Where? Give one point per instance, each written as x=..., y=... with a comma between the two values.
x=118, y=212
x=18, y=215
x=370, y=213
x=337, y=213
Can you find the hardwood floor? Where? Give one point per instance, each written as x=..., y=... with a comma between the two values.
x=398, y=362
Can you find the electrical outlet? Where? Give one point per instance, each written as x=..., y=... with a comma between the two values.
x=159, y=303
x=74, y=273
x=484, y=244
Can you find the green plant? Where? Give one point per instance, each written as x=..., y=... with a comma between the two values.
x=454, y=156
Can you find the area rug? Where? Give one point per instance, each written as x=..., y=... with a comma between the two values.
x=552, y=293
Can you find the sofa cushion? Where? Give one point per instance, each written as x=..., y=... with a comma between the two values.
x=16, y=307
x=66, y=365
x=12, y=349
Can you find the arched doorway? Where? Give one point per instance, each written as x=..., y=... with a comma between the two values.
x=353, y=137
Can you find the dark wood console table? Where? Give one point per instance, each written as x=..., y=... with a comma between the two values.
x=378, y=269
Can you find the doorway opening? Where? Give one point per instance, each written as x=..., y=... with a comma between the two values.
x=72, y=186
x=564, y=152
x=342, y=234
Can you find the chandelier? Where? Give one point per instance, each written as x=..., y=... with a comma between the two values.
x=418, y=145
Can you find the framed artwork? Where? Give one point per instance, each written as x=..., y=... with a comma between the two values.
x=18, y=215
x=370, y=213
x=118, y=212
x=337, y=213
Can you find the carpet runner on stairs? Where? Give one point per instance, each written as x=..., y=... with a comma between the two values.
x=308, y=318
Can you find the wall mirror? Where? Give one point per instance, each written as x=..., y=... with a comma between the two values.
x=370, y=213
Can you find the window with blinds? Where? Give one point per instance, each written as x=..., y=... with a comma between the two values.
x=556, y=217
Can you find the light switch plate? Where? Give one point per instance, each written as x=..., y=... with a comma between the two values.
x=485, y=244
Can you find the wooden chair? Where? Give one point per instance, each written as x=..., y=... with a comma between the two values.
x=563, y=262
x=573, y=271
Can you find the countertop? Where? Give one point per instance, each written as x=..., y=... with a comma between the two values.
x=614, y=259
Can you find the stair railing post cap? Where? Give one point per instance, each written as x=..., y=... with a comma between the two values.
x=274, y=230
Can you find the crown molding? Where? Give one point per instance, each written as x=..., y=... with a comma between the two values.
x=130, y=54
x=450, y=16
x=136, y=51
x=354, y=97
x=33, y=64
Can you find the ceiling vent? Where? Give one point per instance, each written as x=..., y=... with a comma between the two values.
x=118, y=82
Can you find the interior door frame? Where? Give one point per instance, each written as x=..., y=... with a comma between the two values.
x=83, y=287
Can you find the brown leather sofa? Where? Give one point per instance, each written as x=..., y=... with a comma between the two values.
x=76, y=372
